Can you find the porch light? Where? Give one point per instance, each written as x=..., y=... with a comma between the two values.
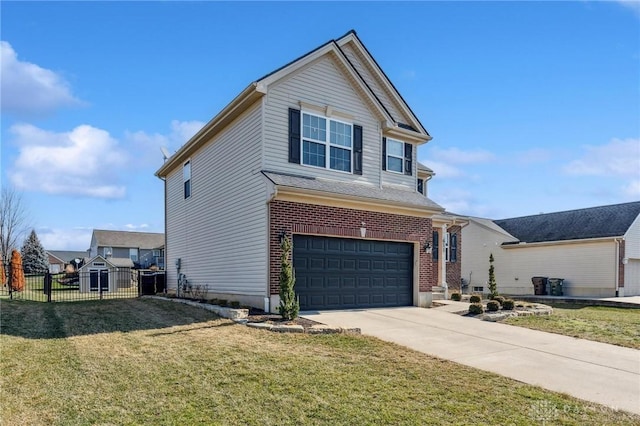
x=427, y=247
x=282, y=235
x=363, y=230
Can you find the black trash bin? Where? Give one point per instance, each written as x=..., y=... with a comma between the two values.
x=555, y=286
x=539, y=285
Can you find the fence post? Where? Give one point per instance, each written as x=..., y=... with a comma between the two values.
x=47, y=285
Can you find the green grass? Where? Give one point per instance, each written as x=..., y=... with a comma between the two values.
x=618, y=326
x=142, y=361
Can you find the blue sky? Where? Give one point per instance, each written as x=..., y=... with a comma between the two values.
x=533, y=106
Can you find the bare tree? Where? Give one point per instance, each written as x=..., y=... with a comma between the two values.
x=13, y=217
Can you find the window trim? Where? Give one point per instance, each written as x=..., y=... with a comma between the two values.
x=401, y=158
x=186, y=183
x=327, y=143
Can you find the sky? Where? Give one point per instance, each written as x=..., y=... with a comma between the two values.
x=533, y=106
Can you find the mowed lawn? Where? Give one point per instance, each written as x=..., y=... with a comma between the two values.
x=142, y=361
x=617, y=326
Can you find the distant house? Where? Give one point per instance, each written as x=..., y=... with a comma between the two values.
x=144, y=249
x=595, y=250
x=59, y=259
x=322, y=151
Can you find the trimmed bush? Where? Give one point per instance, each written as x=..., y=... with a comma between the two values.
x=476, y=308
x=508, y=305
x=499, y=299
x=475, y=298
x=493, y=305
x=456, y=297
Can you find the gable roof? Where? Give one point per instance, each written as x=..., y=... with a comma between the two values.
x=142, y=240
x=66, y=255
x=414, y=130
x=116, y=262
x=594, y=222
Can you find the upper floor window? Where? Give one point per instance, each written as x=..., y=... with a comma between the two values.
x=397, y=156
x=421, y=188
x=186, y=177
x=322, y=138
x=133, y=254
x=107, y=251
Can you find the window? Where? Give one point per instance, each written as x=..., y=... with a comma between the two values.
x=133, y=254
x=395, y=155
x=446, y=246
x=436, y=245
x=451, y=247
x=186, y=177
x=421, y=186
x=107, y=251
x=156, y=253
x=322, y=138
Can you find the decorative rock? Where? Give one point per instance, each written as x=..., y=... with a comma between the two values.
x=261, y=325
x=288, y=328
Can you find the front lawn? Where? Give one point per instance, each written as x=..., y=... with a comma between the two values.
x=142, y=361
x=618, y=326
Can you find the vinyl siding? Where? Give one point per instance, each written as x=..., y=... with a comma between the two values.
x=374, y=84
x=321, y=83
x=220, y=232
x=632, y=278
x=632, y=240
x=588, y=269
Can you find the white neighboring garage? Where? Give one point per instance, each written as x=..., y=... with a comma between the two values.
x=596, y=250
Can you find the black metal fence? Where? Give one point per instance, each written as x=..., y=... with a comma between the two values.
x=112, y=283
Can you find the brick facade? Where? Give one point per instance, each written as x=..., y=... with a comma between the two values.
x=454, y=269
x=299, y=218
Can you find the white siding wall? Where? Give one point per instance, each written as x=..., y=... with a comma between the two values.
x=220, y=232
x=632, y=240
x=478, y=243
x=323, y=83
x=589, y=269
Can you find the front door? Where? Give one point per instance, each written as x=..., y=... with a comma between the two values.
x=99, y=280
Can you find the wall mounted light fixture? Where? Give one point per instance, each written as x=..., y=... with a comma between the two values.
x=282, y=235
x=427, y=247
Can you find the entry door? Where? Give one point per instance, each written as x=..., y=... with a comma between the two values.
x=99, y=280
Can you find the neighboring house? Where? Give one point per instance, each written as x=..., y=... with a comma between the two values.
x=143, y=248
x=106, y=274
x=595, y=250
x=59, y=259
x=322, y=151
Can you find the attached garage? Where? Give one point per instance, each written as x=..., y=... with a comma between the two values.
x=344, y=273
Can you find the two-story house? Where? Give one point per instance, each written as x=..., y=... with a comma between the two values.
x=324, y=151
x=143, y=249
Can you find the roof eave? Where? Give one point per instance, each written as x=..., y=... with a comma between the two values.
x=233, y=110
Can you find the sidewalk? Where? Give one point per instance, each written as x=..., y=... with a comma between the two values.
x=593, y=371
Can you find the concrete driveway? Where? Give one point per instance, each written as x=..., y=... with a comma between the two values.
x=597, y=372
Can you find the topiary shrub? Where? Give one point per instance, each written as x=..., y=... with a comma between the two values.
x=475, y=298
x=499, y=299
x=508, y=305
x=476, y=308
x=493, y=305
x=456, y=297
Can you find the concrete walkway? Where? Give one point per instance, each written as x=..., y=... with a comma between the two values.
x=597, y=372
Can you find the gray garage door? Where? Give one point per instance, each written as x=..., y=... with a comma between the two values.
x=341, y=273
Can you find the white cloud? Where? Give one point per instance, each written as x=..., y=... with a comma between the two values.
x=131, y=227
x=632, y=190
x=443, y=170
x=65, y=239
x=29, y=89
x=458, y=156
x=619, y=157
x=83, y=162
x=633, y=5
x=534, y=155
x=148, y=145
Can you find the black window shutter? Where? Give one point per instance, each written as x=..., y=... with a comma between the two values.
x=421, y=186
x=434, y=250
x=384, y=153
x=453, y=248
x=294, y=136
x=357, y=149
x=408, y=159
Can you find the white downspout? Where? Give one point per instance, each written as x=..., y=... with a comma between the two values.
x=617, y=263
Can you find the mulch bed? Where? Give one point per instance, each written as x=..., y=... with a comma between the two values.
x=258, y=315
